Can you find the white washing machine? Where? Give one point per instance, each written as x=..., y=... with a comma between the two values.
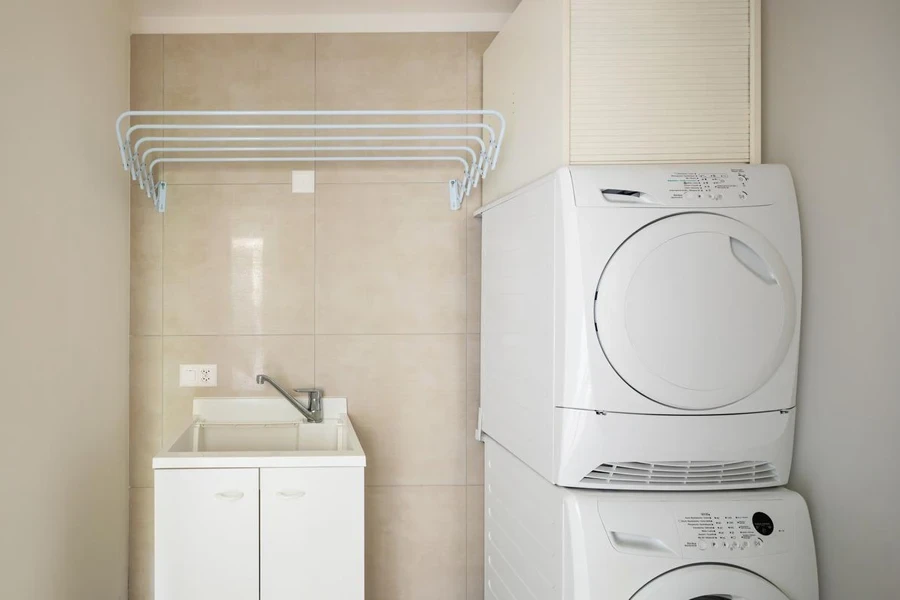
x=640, y=325
x=551, y=543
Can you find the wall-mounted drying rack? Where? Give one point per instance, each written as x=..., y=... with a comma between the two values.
x=145, y=145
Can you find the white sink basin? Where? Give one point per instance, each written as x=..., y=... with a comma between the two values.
x=263, y=432
x=263, y=437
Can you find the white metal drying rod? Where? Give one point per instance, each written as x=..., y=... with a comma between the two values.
x=457, y=191
x=482, y=168
x=469, y=170
x=478, y=169
x=138, y=169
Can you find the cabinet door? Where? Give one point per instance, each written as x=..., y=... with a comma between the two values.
x=207, y=534
x=311, y=534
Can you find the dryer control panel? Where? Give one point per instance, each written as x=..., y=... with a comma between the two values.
x=688, y=188
x=677, y=186
x=708, y=527
x=732, y=530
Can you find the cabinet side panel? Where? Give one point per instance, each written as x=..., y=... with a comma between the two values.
x=523, y=530
x=660, y=81
x=526, y=79
x=517, y=352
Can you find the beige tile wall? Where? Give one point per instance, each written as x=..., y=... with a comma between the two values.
x=368, y=288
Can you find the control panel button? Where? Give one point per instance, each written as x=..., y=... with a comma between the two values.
x=745, y=544
x=757, y=542
x=702, y=544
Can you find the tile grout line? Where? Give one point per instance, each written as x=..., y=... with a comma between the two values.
x=308, y=334
x=162, y=286
x=466, y=301
x=421, y=485
x=442, y=183
x=315, y=223
x=465, y=411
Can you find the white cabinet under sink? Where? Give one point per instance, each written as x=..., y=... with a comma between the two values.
x=207, y=534
x=260, y=523
x=311, y=533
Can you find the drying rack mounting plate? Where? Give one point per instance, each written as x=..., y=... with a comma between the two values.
x=269, y=139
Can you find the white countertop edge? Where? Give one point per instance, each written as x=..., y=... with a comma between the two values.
x=196, y=460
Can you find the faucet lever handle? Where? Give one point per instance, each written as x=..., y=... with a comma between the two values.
x=314, y=395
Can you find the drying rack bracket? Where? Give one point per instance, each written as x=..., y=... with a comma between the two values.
x=457, y=193
x=159, y=198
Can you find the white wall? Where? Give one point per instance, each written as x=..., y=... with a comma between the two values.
x=831, y=96
x=64, y=231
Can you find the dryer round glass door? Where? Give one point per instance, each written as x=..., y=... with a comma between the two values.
x=708, y=582
x=695, y=311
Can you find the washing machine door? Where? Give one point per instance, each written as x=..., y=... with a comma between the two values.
x=695, y=311
x=709, y=582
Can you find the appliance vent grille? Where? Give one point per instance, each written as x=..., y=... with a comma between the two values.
x=683, y=474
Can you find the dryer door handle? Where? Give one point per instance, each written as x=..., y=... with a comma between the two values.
x=752, y=261
x=626, y=196
x=642, y=544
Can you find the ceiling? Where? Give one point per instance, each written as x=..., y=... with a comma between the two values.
x=207, y=16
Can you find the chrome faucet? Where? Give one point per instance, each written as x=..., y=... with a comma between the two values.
x=314, y=413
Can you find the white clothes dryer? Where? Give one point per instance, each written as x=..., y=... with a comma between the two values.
x=640, y=325
x=553, y=543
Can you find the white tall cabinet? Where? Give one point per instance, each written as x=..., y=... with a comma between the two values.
x=622, y=82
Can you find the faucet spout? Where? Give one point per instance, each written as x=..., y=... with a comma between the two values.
x=313, y=414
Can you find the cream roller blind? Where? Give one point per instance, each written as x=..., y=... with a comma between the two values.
x=660, y=81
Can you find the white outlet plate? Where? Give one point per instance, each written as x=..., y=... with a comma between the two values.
x=198, y=376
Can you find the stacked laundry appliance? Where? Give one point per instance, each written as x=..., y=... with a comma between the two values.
x=640, y=337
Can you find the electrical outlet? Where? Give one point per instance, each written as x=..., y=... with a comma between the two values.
x=198, y=376
x=208, y=376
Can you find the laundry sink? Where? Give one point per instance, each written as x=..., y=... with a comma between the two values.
x=263, y=432
x=262, y=437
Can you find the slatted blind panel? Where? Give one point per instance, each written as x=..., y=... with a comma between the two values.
x=660, y=81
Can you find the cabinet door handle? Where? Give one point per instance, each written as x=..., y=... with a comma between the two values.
x=290, y=494
x=232, y=495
